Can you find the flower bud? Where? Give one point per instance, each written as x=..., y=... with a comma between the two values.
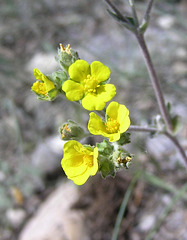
x=71, y=131
x=66, y=56
x=122, y=158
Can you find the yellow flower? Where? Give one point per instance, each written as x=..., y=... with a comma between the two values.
x=86, y=83
x=44, y=85
x=117, y=122
x=79, y=162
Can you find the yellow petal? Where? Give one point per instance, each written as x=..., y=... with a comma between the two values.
x=112, y=110
x=99, y=71
x=123, y=113
x=97, y=101
x=120, y=113
x=94, y=169
x=38, y=74
x=74, y=91
x=79, y=70
x=114, y=137
x=81, y=179
x=124, y=125
x=96, y=125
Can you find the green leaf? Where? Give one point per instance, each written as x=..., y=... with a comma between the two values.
x=59, y=78
x=143, y=26
x=176, y=123
x=128, y=22
x=52, y=94
x=105, y=148
x=124, y=139
x=106, y=166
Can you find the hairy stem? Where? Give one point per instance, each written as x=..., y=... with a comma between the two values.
x=155, y=81
x=142, y=129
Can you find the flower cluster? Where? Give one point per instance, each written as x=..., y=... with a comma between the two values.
x=88, y=85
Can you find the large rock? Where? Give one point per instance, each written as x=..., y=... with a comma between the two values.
x=55, y=220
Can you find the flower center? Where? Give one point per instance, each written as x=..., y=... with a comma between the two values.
x=90, y=84
x=88, y=160
x=112, y=126
x=40, y=88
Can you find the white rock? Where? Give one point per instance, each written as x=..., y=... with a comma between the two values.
x=46, y=63
x=181, y=53
x=16, y=217
x=47, y=155
x=166, y=21
x=55, y=220
x=147, y=222
x=180, y=68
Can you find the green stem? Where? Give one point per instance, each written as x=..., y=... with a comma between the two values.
x=124, y=205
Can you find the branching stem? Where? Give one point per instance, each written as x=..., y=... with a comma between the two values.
x=153, y=76
x=167, y=134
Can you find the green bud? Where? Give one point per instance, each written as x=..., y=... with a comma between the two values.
x=121, y=158
x=71, y=131
x=66, y=56
x=106, y=166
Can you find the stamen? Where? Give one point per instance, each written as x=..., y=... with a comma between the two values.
x=112, y=126
x=62, y=47
x=90, y=84
x=88, y=160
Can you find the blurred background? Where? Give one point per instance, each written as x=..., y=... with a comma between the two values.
x=36, y=200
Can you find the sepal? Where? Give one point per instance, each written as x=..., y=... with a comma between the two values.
x=71, y=131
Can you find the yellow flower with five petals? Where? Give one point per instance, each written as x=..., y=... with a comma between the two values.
x=117, y=122
x=79, y=162
x=43, y=86
x=87, y=83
